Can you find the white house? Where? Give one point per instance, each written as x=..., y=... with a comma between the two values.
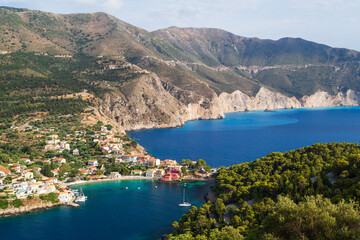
x=94, y=163
x=75, y=152
x=28, y=175
x=150, y=173
x=115, y=175
x=64, y=197
x=130, y=158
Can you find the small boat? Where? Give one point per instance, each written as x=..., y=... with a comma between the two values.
x=81, y=196
x=138, y=187
x=184, y=204
x=155, y=186
x=126, y=188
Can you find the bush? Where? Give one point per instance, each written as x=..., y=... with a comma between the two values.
x=51, y=197
x=17, y=203
x=3, y=204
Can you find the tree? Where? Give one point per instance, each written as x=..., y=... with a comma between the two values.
x=186, y=162
x=315, y=218
x=219, y=209
x=64, y=169
x=200, y=164
x=109, y=127
x=73, y=172
x=4, y=158
x=46, y=171
x=184, y=170
x=227, y=233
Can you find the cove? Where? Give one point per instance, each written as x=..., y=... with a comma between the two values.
x=110, y=212
x=246, y=136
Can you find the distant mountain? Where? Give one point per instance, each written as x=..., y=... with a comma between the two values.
x=163, y=78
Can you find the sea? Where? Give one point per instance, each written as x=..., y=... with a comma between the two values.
x=245, y=136
x=145, y=209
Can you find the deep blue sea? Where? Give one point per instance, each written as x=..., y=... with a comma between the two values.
x=246, y=136
x=114, y=212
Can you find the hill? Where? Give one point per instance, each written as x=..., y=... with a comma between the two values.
x=143, y=79
x=308, y=193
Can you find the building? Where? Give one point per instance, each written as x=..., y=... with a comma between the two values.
x=65, y=197
x=28, y=175
x=75, y=152
x=4, y=171
x=93, y=163
x=59, y=160
x=150, y=173
x=115, y=175
x=129, y=158
x=136, y=172
x=64, y=145
x=158, y=174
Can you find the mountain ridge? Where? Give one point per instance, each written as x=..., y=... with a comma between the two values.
x=203, y=72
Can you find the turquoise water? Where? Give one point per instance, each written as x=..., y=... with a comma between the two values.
x=111, y=212
x=246, y=136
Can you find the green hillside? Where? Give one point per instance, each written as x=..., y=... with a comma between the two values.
x=308, y=193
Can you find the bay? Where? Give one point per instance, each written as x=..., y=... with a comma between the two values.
x=110, y=212
x=246, y=136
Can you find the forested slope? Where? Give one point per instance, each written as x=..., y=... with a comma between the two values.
x=308, y=193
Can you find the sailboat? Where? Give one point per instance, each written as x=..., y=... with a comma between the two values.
x=81, y=197
x=184, y=204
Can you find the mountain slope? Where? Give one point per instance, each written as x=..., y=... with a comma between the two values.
x=135, y=74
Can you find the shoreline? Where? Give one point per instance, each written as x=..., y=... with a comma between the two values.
x=131, y=178
x=271, y=110
x=126, y=178
x=9, y=212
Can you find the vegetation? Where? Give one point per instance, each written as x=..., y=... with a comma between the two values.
x=51, y=197
x=309, y=193
x=17, y=203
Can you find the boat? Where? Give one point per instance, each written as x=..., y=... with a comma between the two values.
x=81, y=196
x=184, y=204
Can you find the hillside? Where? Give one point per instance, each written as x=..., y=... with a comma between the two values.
x=142, y=79
x=308, y=193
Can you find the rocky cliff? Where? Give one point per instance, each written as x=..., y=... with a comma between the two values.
x=156, y=104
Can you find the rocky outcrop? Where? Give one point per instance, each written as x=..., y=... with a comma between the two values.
x=324, y=99
x=270, y=100
x=263, y=100
x=148, y=102
x=12, y=211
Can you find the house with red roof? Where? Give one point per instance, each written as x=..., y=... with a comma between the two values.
x=94, y=163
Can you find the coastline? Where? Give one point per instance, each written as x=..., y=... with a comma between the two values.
x=132, y=178
x=271, y=110
x=108, y=180
x=32, y=208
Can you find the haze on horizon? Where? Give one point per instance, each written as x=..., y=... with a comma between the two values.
x=331, y=22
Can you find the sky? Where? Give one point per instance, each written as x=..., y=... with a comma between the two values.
x=332, y=22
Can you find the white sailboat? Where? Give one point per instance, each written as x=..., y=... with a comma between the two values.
x=81, y=197
x=184, y=204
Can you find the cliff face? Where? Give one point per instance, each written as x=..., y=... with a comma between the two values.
x=148, y=102
x=151, y=103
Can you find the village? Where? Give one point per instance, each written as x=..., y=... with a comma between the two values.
x=86, y=155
